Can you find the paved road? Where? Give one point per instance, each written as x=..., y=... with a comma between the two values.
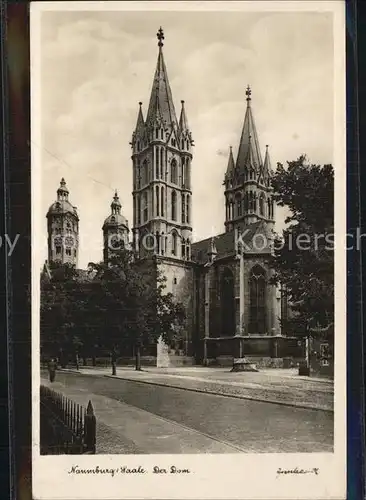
x=239, y=425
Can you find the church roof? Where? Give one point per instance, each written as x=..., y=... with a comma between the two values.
x=62, y=207
x=161, y=104
x=225, y=243
x=249, y=153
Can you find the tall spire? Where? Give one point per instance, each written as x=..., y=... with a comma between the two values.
x=161, y=101
x=249, y=151
x=231, y=163
x=267, y=161
x=140, y=119
x=183, y=122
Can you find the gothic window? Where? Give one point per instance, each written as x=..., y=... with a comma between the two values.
x=246, y=173
x=188, y=209
x=173, y=172
x=188, y=252
x=138, y=210
x=145, y=173
x=68, y=251
x=261, y=205
x=157, y=242
x=174, y=243
x=183, y=209
x=182, y=172
x=187, y=144
x=227, y=296
x=238, y=205
x=162, y=202
x=138, y=145
x=74, y=253
x=183, y=249
x=113, y=219
x=58, y=250
x=255, y=202
x=257, y=291
x=157, y=162
x=162, y=176
x=186, y=173
x=157, y=133
x=145, y=207
x=174, y=205
x=173, y=142
x=138, y=175
x=162, y=134
x=174, y=281
x=157, y=200
x=182, y=144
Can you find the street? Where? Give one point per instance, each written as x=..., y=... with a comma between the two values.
x=137, y=417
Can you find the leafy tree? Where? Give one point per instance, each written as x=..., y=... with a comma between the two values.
x=304, y=255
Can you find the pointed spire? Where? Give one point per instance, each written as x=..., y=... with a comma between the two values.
x=62, y=192
x=231, y=163
x=161, y=100
x=140, y=120
x=267, y=161
x=249, y=151
x=183, y=122
x=116, y=204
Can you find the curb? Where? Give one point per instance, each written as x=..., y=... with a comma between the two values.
x=201, y=391
x=236, y=396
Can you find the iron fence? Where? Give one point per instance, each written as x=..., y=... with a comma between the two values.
x=66, y=427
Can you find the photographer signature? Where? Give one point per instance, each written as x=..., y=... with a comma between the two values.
x=296, y=470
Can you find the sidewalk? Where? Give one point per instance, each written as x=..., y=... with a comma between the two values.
x=125, y=429
x=274, y=386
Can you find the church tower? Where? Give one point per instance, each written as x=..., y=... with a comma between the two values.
x=248, y=191
x=63, y=229
x=162, y=156
x=115, y=230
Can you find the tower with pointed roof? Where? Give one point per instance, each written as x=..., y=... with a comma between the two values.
x=63, y=229
x=162, y=156
x=248, y=192
x=115, y=230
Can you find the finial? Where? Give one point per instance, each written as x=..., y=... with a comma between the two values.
x=231, y=148
x=115, y=193
x=140, y=104
x=160, y=36
x=182, y=103
x=248, y=93
x=62, y=182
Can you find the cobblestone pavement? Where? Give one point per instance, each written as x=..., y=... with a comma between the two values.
x=135, y=417
x=276, y=386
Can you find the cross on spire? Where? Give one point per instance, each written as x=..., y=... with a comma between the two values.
x=248, y=93
x=160, y=36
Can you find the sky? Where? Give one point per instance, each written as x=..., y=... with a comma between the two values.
x=96, y=67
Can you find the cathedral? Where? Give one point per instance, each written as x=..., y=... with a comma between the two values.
x=223, y=281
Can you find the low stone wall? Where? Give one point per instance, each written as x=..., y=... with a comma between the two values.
x=259, y=361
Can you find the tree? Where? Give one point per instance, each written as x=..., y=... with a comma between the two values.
x=304, y=255
x=137, y=310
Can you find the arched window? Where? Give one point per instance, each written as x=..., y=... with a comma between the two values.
x=162, y=176
x=174, y=205
x=188, y=249
x=227, y=300
x=173, y=172
x=174, y=243
x=186, y=174
x=183, y=248
x=162, y=202
x=257, y=291
x=157, y=133
x=138, y=209
x=238, y=205
x=157, y=200
x=188, y=212
x=173, y=142
x=157, y=242
x=261, y=204
x=138, y=175
x=162, y=134
x=138, y=145
x=144, y=173
x=183, y=172
x=183, y=209
x=157, y=161
x=182, y=144
x=145, y=207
